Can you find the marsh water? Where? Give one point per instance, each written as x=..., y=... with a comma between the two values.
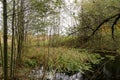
x=107, y=70
x=53, y=75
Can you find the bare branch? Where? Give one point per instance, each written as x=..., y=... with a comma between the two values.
x=114, y=23
x=106, y=20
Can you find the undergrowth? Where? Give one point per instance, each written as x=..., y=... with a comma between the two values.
x=61, y=59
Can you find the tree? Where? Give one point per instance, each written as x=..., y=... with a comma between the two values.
x=19, y=31
x=95, y=16
x=5, y=39
x=13, y=42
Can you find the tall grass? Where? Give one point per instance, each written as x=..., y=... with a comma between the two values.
x=61, y=59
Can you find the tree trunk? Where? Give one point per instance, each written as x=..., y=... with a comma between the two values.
x=20, y=32
x=12, y=45
x=5, y=39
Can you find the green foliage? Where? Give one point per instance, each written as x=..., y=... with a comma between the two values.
x=74, y=60
x=31, y=63
x=95, y=58
x=43, y=13
x=93, y=12
x=42, y=6
x=62, y=59
x=58, y=3
x=69, y=41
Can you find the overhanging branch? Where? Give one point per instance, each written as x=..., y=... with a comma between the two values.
x=104, y=21
x=114, y=23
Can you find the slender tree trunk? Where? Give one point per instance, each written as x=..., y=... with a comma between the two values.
x=20, y=33
x=5, y=39
x=12, y=45
x=1, y=51
x=26, y=33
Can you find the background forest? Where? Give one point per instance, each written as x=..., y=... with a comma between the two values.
x=60, y=40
